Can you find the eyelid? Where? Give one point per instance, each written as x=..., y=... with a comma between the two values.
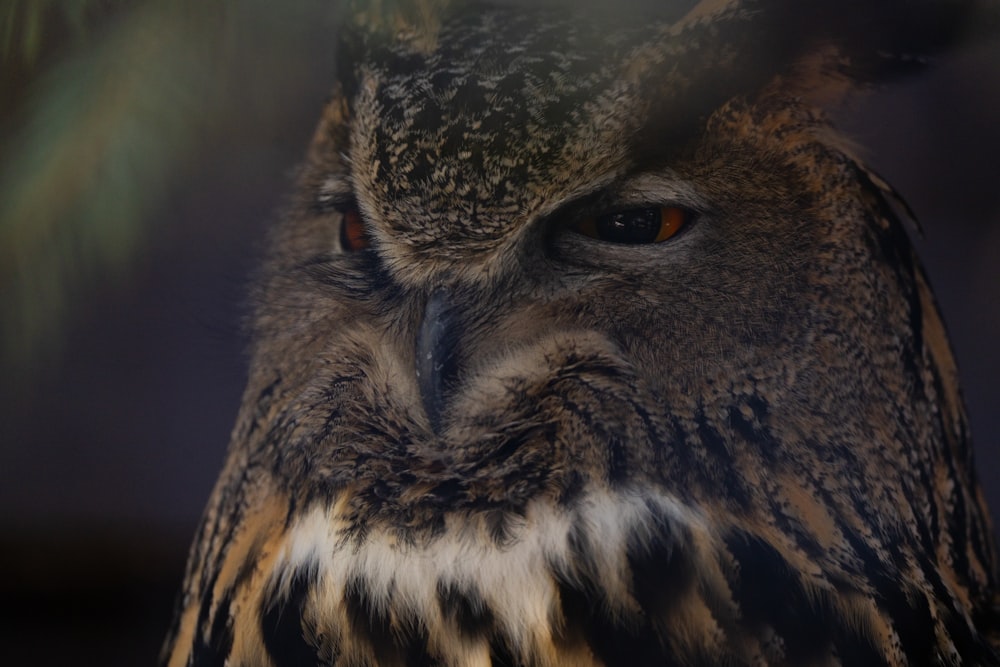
x=637, y=191
x=668, y=189
x=343, y=204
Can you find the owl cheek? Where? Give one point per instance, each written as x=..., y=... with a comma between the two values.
x=558, y=404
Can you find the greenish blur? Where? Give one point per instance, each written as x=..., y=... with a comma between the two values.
x=102, y=104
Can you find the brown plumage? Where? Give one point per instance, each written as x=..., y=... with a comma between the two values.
x=492, y=420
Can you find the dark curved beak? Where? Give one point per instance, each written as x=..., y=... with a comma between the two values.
x=437, y=354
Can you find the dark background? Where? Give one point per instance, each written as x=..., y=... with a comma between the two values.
x=110, y=442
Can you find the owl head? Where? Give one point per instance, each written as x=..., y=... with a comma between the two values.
x=587, y=340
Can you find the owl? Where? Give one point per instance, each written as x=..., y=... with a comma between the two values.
x=587, y=341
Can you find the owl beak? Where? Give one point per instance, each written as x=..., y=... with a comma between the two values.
x=437, y=354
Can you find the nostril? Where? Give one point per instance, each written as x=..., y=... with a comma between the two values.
x=437, y=354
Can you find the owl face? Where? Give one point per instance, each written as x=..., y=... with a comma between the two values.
x=586, y=342
x=483, y=276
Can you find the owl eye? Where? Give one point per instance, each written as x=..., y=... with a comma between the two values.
x=353, y=232
x=653, y=224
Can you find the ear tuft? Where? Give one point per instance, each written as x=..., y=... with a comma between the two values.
x=824, y=49
x=856, y=43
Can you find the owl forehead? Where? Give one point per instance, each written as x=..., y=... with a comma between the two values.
x=501, y=117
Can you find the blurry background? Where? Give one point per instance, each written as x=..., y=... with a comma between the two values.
x=144, y=149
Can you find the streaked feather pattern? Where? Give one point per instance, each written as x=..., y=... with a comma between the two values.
x=744, y=446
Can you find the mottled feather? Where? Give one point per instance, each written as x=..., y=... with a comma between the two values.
x=743, y=446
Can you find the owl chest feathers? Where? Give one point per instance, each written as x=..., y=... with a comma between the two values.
x=463, y=596
x=625, y=576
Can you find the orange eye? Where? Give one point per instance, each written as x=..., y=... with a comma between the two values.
x=654, y=224
x=353, y=234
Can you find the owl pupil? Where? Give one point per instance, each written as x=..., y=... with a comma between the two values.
x=639, y=225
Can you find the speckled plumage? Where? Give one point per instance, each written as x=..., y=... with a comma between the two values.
x=743, y=446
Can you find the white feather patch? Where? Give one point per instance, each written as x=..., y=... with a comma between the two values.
x=515, y=580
